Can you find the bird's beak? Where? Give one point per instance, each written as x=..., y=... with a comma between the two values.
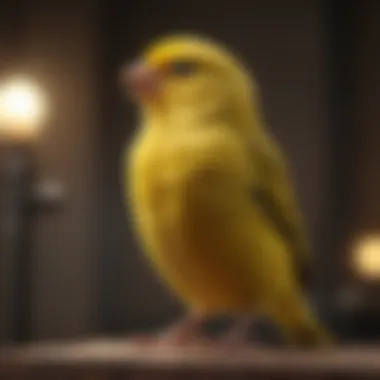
x=141, y=80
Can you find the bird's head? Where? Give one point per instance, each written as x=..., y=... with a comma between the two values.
x=186, y=72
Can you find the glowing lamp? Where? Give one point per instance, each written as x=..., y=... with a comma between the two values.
x=22, y=109
x=366, y=257
x=23, y=194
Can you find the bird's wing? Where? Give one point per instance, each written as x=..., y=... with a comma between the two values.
x=275, y=196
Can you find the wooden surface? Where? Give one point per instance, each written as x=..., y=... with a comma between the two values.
x=105, y=359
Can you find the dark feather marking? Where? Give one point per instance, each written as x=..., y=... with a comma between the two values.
x=263, y=199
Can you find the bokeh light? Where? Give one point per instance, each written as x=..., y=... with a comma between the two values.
x=366, y=257
x=22, y=109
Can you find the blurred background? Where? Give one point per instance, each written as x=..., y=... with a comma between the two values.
x=69, y=264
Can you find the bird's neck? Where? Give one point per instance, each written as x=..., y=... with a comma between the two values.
x=244, y=119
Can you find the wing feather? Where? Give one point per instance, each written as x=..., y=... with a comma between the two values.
x=275, y=196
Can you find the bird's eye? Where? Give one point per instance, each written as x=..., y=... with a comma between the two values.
x=183, y=68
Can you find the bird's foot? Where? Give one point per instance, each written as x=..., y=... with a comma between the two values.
x=181, y=337
x=233, y=341
x=184, y=333
x=238, y=337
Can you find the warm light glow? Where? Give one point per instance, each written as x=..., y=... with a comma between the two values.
x=22, y=109
x=367, y=257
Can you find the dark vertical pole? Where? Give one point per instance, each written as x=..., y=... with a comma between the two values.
x=24, y=208
x=112, y=291
x=111, y=317
x=16, y=213
x=13, y=304
x=340, y=55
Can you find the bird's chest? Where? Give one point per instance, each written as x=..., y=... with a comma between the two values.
x=183, y=186
x=174, y=182
x=185, y=198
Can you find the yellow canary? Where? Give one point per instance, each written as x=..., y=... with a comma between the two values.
x=209, y=189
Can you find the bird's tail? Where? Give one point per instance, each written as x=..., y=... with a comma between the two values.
x=312, y=334
x=302, y=327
